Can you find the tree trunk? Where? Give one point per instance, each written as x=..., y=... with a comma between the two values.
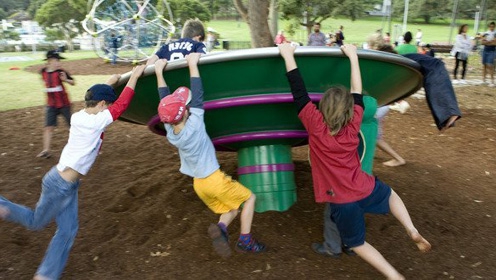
x=256, y=15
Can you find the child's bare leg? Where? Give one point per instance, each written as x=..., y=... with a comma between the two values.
x=247, y=214
x=40, y=277
x=375, y=258
x=4, y=212
x=397, y=159
x=398, y=209
x=47, y=138
x=228, y=217
x=449, y=123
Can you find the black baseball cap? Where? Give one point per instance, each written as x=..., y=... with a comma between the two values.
x=53, y=54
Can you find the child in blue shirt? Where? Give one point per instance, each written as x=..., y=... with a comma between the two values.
x=191, y=41
x=182, y=113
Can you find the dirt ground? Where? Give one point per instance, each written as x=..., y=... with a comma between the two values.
x=140, y=218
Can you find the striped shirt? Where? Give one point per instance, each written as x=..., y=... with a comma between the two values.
x=56, y=94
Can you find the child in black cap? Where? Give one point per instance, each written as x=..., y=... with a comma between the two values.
x=57, y=98
x=60, y=185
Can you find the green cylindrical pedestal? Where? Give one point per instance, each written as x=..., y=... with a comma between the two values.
x=268, y=171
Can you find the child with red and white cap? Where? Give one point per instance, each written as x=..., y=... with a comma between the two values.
x=182, y=114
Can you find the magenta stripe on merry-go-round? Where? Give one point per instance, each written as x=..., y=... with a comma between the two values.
x=275, y=167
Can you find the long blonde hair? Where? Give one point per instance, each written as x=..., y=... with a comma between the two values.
x=336, y=106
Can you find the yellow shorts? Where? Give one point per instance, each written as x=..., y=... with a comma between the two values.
x=220, y=192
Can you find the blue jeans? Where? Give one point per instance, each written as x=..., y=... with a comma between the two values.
x=59, y=200
x=439, y=91
x=114, y=55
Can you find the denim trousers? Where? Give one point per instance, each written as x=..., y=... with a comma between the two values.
x=59, y=201
x=439, y=91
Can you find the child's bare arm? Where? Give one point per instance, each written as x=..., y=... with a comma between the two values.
x=192, y=60
x=137, y=72
x=196, y=82
x=298, y=89
x=152, y=60
x=113, y=79
x=287, y=52
x=159, y=72
x=121, y=104
x=66, y=78
x=356, y=79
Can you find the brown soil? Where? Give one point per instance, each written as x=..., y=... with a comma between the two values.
x=140, y=218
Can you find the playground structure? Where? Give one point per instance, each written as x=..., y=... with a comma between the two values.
x=127, y=30
x=249, y=107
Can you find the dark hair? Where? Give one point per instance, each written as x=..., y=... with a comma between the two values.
x=317, y=23
x=460, y=30
x=386, y=48
x=407, y=37
x=193, y=28
x=492, y=23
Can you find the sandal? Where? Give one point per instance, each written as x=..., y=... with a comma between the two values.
x=44, y=154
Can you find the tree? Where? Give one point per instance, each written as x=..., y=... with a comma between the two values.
x=429, y=9
x=12, y=5
x=188, y=9
x=9, y=35
x=307, y=12
x=3, y=14
x=35, y=6
x=256, y=14
x=353, y=9
x=61, y=14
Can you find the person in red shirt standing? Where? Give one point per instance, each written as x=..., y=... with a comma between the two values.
x=57, y=98
x=333, y=130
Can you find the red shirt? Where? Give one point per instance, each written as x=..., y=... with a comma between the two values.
x=56, y=94
x=336, y=170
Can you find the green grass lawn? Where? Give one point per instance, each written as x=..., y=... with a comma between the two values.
x=20, y=89
x=355, y=31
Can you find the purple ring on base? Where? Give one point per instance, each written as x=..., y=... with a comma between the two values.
x=265, y=168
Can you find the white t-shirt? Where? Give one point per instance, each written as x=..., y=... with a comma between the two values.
x=85, y=139
x=490, y=35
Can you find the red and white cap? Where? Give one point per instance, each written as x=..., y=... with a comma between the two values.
x=171, y=108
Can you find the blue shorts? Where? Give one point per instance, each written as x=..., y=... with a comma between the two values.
x=488, y=57
x=52, y=113
x=350, y=219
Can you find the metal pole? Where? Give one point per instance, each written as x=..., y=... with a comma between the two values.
x=405, y=15
x=453, y=20
x=390, y=11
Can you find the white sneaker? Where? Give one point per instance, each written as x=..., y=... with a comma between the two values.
x=455, y=82
x=463, y=81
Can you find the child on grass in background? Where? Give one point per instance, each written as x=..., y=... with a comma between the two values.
x=192, y=38
x=58, y=102
x=381, y=143
x=338, y=179
x=59, y=194
x=182, y=113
